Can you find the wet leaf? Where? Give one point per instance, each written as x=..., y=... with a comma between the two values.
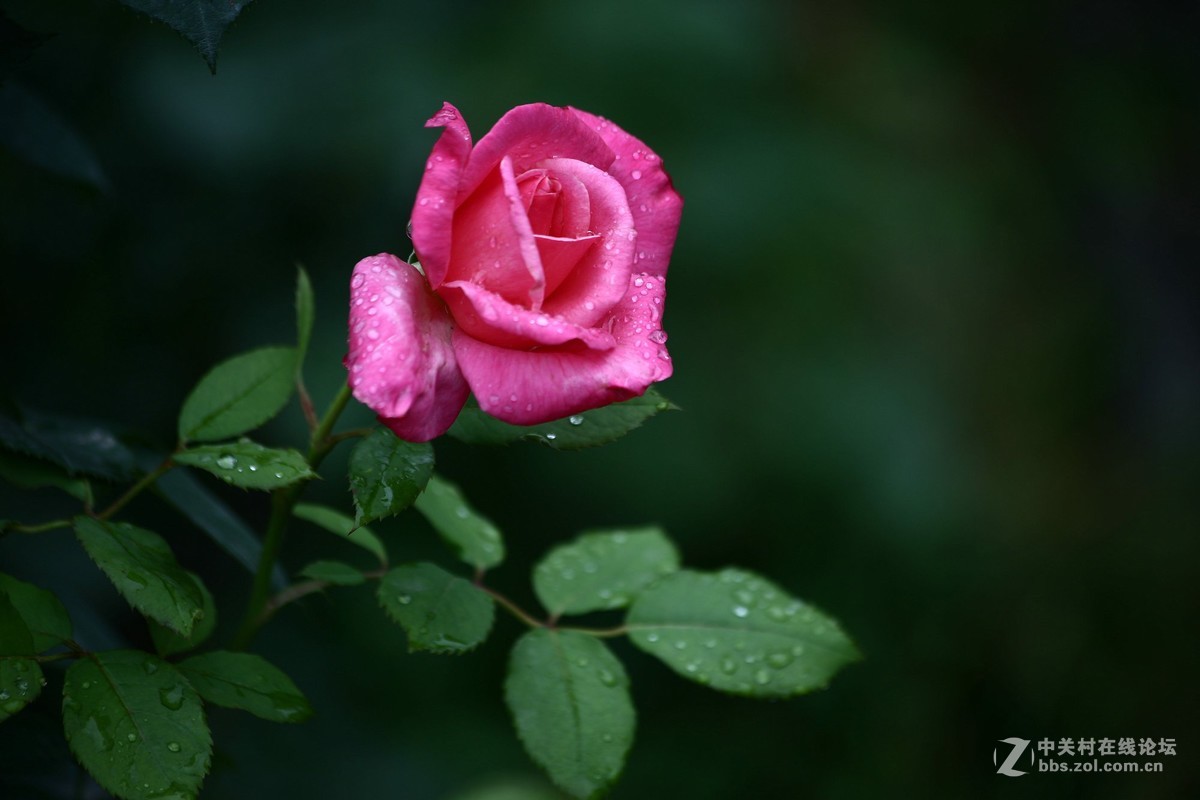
x=26, y=472
x=589, y=429
x=79, y=446
x=248, y=465
x=440, y=612
x=43, y=613
x=343, y=527
x=201, y=22
x=569, y=698
x=246, y=682
x=167, y=642
x=470, y=533
x=387, y=473
x=238, y=394
x=20, y=684
x=333, y=572
x=136, y=724
x=738, y=633
x=143, y=568
x=603, y=569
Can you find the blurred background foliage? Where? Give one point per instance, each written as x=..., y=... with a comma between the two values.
x=933, y=312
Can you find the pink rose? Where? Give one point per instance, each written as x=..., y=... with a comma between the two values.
x=545, y=250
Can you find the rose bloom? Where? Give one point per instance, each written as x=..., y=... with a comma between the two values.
x=544, y=251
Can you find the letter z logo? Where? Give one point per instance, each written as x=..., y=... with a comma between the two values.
x=1018, y=747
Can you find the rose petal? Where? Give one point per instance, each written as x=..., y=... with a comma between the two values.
x=560, y=256
x=655, y=204
x=527, y=387
x=489, y=317
x=433, y=214
x=493, y=243
x=530, y=134
x=401, y=362
x=601, y=275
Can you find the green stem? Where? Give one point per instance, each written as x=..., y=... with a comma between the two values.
x=53, y=524
x=600, y=633
x=512, y=608
x=148, y=479
x=282, y=503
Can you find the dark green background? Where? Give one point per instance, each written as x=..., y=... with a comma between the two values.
x=933, y=312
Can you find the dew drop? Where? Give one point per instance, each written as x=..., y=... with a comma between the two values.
x=403, y=599
x=607, y=678
x=728, y=666
x=576, y=419
x=741, y=611
x=171, y=699
x=174, y=747
x=762, y=677
x=227, y=462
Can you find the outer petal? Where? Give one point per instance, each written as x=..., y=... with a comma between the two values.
x=655, y=204
x=526, y=387
x=433, y=214
x=401, y=361
x=490, y=318
x=531, y=134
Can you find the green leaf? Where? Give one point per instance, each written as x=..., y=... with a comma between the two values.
x=246, y=682
x=211, y=515
x=43, y=613
x=136, y=724
x=739, y=633
x=20, y=683
x=201, y=22
x=15, y=637
x=25, y=472
x=248, y=465
x=167, y=642
x=386, y=474
x=334, y=572
x=142, y=567
x=569, y=698
x=440, y=612
x=78, y=446
x=589, y=429
x=305, y=315
x=603, y=570
x=473, y=535
x=343, y=527
x=239, y=394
